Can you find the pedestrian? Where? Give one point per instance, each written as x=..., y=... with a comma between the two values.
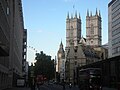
x=63, y=86
x=70, y=85
x=32, y=84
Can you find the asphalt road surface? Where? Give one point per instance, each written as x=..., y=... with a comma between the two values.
x=52, y=87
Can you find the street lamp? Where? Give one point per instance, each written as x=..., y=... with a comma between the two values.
x=55, y=63
x=32, y=77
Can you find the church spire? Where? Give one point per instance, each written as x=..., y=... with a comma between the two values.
x=61, y=48
x=91, y=13
x=79, y=16
x=76, y=14
x=71, y=15
x=96, y=12
x=99, y=14
x=68, y=15
x=87, y=12
x=61, y=45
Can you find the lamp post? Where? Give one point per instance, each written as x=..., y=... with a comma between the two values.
x=32, y=77
x=55, y=67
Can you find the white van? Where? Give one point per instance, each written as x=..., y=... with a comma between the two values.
x=20, y=82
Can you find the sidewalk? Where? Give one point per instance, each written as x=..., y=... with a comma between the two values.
x=105, y=88
x=18, y=88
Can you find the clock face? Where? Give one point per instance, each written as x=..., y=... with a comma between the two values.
x=59, y=54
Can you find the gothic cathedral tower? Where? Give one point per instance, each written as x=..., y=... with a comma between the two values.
x=93, y=29
x=73, y=30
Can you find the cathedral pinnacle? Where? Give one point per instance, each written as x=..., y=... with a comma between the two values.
x=79, y=16
x=87, y=12
x=96, y=12
x=71, y=15
x=61, y=46
x=91, y=13
x=68, y=15
x=76, y=14
x=99, y=14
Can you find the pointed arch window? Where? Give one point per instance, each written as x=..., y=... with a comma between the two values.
x=92, y=29
x=71, y=32
x=71, y=36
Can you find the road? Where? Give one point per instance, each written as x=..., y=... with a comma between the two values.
x=56, y=87
x=52, y=87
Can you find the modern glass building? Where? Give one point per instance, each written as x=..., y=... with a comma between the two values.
x=114, y=28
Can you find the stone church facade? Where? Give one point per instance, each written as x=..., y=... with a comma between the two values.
x=73, y=31
x=78, y=56
x=80, y=51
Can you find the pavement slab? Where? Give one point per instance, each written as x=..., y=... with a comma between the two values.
x=18, y=88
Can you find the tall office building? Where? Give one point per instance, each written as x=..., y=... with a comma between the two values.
x=93, y=29
x=114, y=28
x=11, y=42
x=16, y=40
x=4, y=43
x=24, y=54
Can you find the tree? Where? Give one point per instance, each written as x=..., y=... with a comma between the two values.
x=44, y=65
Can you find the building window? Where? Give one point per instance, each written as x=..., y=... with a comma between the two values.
x=75, y=62
x=75, y=57
x=71, y=32
x=91, y=42
x=115, y=50
x=75, y=50
x=115, y=41
x=24, y=56
x=25, y=43
x=115, y=5
x=119, y=49
x=25, y=50
x=92, y=29
x=8, y=11
x=116, y=31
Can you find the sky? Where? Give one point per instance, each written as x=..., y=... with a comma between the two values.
x=45, y=21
